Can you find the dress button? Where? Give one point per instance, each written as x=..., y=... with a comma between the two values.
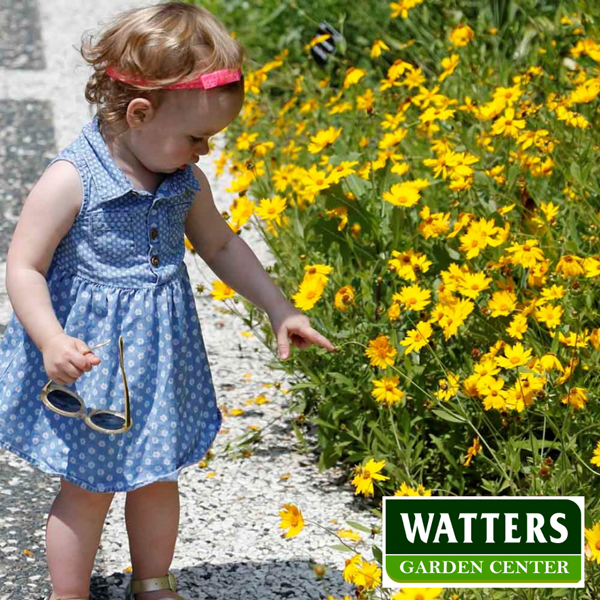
x=154, y=233
x=154, y=260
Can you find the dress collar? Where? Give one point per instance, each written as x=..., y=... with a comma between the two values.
x=112, y=182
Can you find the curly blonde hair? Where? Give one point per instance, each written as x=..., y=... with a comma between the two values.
x=165, y=44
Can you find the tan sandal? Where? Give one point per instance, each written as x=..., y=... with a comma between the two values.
x=152, y=584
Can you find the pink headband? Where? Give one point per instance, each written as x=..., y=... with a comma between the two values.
x=202, y=82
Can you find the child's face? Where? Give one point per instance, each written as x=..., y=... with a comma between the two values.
x=177, y=132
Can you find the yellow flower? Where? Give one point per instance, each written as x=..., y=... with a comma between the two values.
x=595, y=338
x=502, y=303
x=366, y=101
x=592, y=537
x=462, y=35
x=487, y=366
x=245, y=140
x=351, y=568
x=418, y=594
x=392, y=139
x=381, y=352
x=368, y=575
x=550, y=315
x=433, y=225
x=548, y=362
x=514, y=356
x=596, y=458
x=291, y=519
x=408, y=264
x=413, y=297
x=479, y=235
x=406, y=490
x=377, y=48
x=309, y=294
x=342, y=170
x=344, y=297
x=493, y=394
x=270, y=209
x=574, y=339
x=365, y=475
x=592, y=267
x=576, y=397
x=386, y=390
x=349, y=534
x=507, y=125
x=472, y=451
x=449, y=64
x=323, y=139
x=414, y=78
x=518, y=326
x=221, y=291
x=317, y=40
x=417, y=338
x=569, y=265
x=402, y=194
x=353, y=75
x=241, y=183
x=526, y=255
x=401, y=8
x=447, y=388
x=314, y=181
x=473, y=284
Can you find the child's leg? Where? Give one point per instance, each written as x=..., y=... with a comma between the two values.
x=73, y=533
x=152, y=519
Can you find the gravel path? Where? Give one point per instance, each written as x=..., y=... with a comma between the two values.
x=229, y=545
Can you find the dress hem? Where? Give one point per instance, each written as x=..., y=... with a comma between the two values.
x=48, y=470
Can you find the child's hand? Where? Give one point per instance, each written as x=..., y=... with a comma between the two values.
x=66, y=358
x=289, y=324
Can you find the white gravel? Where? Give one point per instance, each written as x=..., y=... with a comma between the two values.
x=229, y=545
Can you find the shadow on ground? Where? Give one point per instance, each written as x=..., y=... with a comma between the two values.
x=293, y=580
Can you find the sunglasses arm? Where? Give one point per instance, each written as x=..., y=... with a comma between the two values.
x=126, y=388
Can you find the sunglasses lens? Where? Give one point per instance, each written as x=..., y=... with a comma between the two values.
x=63, y=401
x=108, y=421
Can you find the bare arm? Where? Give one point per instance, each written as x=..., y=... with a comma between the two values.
x=47, y=216
x=229, y=256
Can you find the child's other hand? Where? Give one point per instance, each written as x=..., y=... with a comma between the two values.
x=290, y=325
x=66, y=358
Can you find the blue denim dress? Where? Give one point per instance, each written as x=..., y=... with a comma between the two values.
x=118, y=271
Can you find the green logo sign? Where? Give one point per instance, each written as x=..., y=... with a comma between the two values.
x=490, y=541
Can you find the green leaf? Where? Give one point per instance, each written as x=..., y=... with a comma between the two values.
x=575, y=170
x=323, y=423
x=377, y=555
x=446, y=416
x=302, y=386
x=359, y=526
x=356, y=185
x=343, y=379
x=444, y=450
x=442, y=255
x=454, y=255
x=341, y=548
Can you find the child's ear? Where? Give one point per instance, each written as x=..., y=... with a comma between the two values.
x=139, y=112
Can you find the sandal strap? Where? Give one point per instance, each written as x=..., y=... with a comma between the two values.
x=154, y=584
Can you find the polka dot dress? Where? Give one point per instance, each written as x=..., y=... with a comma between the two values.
x=118, y=271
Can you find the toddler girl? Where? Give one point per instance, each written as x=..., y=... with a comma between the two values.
x=96, y=263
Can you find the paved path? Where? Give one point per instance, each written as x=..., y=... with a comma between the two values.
x=229, y=545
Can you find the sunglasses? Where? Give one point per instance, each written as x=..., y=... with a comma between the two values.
x=68, y=403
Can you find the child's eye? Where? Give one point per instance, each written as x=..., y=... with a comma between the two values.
x=195, y=139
